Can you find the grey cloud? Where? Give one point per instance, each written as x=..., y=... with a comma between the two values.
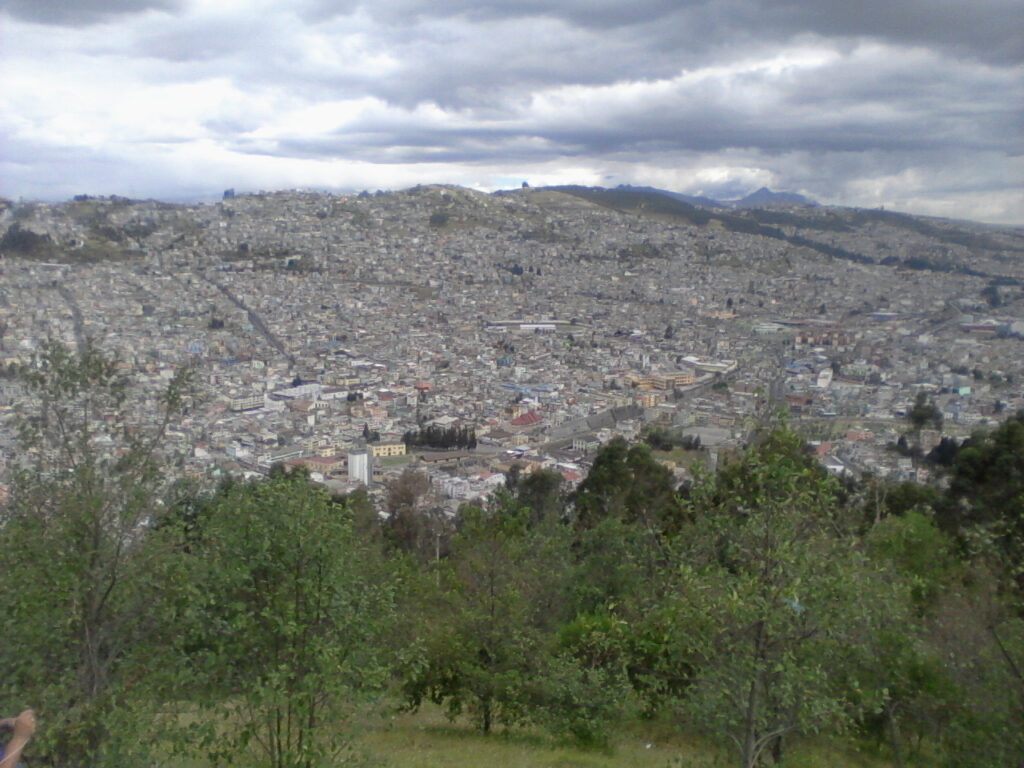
x=75, y=12
x=414, y=150
x=832, y=176
x=852, y=106
x=985, y=29
x=596, y=13
x=941, y=94
x=232, y=126
x=452, y=63
x=56, y=172
x=472, y=76
x=814, y=112
x=191, y=40
x=468, y=55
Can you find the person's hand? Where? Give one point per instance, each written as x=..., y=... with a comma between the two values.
x=25, y=724
x=24, y=727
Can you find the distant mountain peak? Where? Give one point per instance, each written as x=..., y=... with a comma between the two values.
x=704, y=202
x=765, y=198
x=762, y=198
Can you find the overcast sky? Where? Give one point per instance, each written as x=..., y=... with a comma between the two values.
x=917, y=105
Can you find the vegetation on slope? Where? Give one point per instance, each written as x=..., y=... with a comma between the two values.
x=763, y=611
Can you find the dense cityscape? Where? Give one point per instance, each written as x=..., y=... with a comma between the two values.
x=325, y=330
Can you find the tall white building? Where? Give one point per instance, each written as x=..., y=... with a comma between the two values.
x=360, y=466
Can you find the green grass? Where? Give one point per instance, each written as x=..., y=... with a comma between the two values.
x=396, y=461
x=428, y=740
x=681, y=457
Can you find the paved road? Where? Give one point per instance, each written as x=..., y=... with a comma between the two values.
x=257, y=322
x=76, y=316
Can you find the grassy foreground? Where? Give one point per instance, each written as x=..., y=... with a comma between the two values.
x=428, y=740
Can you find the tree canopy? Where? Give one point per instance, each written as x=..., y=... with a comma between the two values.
x=150, y=619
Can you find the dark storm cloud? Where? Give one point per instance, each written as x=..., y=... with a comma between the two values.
x=987, y=29
x=596, y=13
x=991, y=30
x=463, y=54
x=847, y=101
x=870, y=101
x=452, y=62
x=73, y=12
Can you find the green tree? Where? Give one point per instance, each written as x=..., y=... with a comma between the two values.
x=977, y=715
x=86, y=575
x=921, y=553
x=627, y=484
x=487, y=633
x=626, y=514
x=658, y=438
x=290, y=618
x=986, y=494
x=948, y=669
x=880, y=498
x=543, y=493
x=899, y=664
x=924, y=412
x=985, y=511
x=772, y=596
x=414, y=524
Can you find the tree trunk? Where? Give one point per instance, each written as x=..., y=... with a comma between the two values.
x=750, y=728
x=894, y=733
x=485, y=714
x=750, y=746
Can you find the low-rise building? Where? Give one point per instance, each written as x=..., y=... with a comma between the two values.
x=388, y=449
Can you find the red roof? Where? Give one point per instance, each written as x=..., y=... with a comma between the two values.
x=527, y=419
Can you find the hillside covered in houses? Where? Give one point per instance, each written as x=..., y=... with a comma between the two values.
x=567, y=462
x=545, y=320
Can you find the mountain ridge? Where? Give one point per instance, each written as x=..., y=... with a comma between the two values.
x=88, y=229
x=761, y=198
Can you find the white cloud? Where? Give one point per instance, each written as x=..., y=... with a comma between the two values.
x=181, y=99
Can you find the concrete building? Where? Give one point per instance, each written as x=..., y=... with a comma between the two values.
x=360, y=466
x=388, y=449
